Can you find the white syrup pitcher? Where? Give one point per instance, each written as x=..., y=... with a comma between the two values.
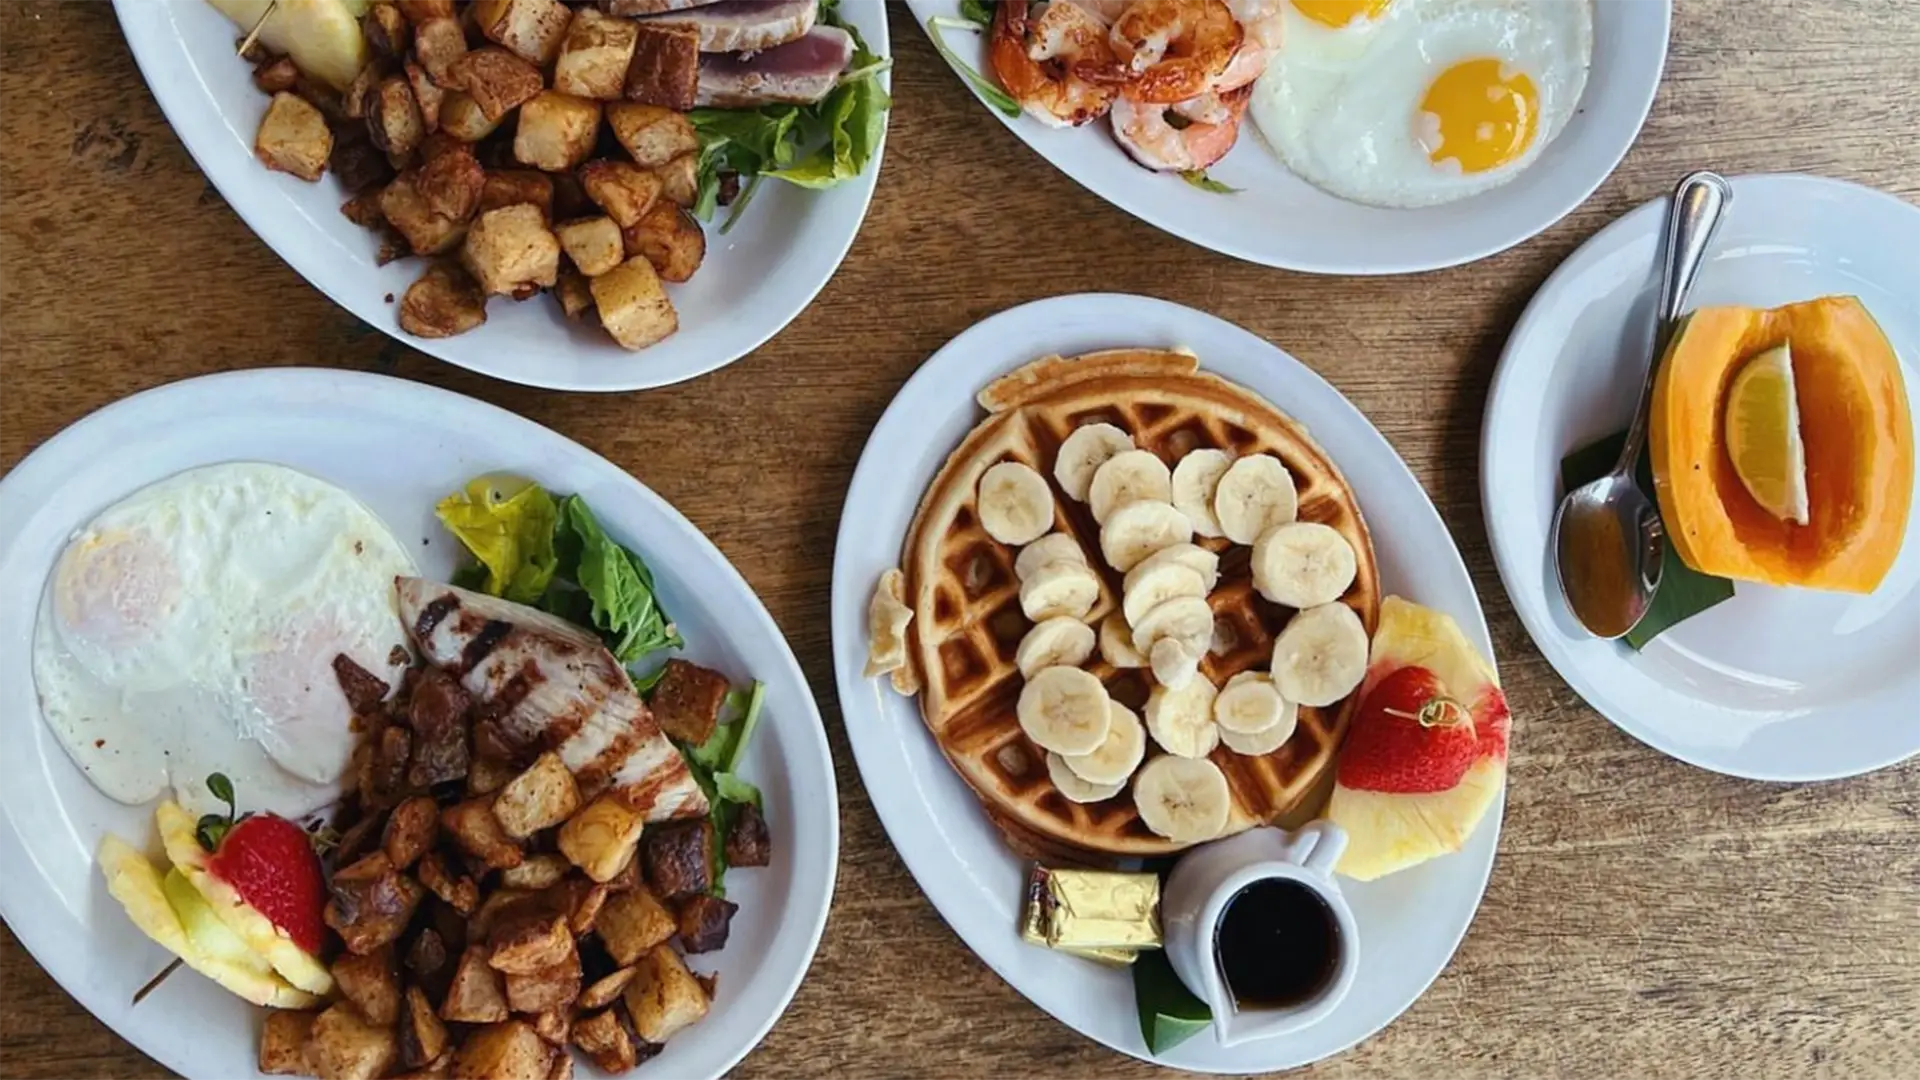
x=1291, y=948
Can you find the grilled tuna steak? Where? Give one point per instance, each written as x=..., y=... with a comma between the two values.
x=800, y=72
x=743, y=25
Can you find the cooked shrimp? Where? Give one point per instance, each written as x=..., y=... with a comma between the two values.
x=1167, y=139
x=1036, y=59
x=1171, y=50
x=1105, y=10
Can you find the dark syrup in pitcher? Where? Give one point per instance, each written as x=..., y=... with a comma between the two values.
x=1277, y=944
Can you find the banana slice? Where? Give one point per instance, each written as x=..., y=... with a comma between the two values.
x=887, y=619
x=1250, y=706
x=1015, y=505
x=1059, y=641
x=1185, y=619
x=1168, y=582
x=1194, y=482
x=1321, y=656
x=1303, y=564
x=1128, y=477
x=1118, y=756
x=1181, y=721
x=1076, y=789
x=1053, y=547
x=1059, y=588
x=1139, y=529
x=1262, y=742
x=1174, y=665
x=1064, y=710
x=1186, y=801
x=1116, y=643
x=1190, y=555
x=1254, y=495
x=1082, y=454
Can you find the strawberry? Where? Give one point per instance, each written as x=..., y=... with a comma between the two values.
x=1408, y=737
x=270, y=864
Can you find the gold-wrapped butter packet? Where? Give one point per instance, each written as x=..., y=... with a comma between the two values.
x=1098, y=914
x=1033, y=927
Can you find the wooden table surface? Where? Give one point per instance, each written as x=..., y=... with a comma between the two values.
x=1644, y=918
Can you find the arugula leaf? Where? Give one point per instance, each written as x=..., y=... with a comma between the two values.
x=991, y=94
x=507, y=522
x=1199, y=178
x=977, y=11
x=749, y=720
x=735, y=790
x=619, y=587
x=644, y=684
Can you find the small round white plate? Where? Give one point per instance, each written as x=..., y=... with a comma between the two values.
x=756, y=278
x=1774, y=684
x=398, y=446
x=1409, y=922
x=1280, y=220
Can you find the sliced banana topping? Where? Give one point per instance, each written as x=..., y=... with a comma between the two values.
x=1174, y=664
x=1185, y=619
x=1255, y=494
x=1059, y=588
x=1015, y=504
x=1060, y=641
x=1168, y=581
x=1053, y=547
x=1116, y=643
x=1181, y=721
x=887, y=619
x=1064, y=709
x=1321, y=656
x=1302, y=564
x=1261, y=742
x=1082, y=454
x=1186, y=801
x=1249, y=706
x=1190, y=555
x=1128, y=477
x=1139, y=529
x=1076, y=789
x=1194, y=482
x=1116, y=758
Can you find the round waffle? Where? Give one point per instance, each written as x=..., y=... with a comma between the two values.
x=965, y=597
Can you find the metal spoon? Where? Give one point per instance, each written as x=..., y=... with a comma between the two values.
x=1609, y=544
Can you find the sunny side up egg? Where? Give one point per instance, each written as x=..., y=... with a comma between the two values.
x=1410, y=103
x=191, y=628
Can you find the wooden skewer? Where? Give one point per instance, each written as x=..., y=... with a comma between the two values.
x=154, y=983
x=245, y=44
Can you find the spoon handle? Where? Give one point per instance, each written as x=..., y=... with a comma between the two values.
x=1699, y=202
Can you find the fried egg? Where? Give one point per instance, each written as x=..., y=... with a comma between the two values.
x=1410, y=103
x=191, y=628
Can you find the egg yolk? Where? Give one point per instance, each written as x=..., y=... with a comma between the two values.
x=1479, y=115
x=115, y=589
x=1340, y=13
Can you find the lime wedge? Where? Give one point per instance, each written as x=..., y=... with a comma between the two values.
x=1763, y=435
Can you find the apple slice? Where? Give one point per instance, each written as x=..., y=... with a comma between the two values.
x=322, y=37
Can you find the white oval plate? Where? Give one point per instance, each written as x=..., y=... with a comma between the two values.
x=1774, y=684
x=755, y=279
x=398, y=446
x=1409, y=922
x=1280, y=220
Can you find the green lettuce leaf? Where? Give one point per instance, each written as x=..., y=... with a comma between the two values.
x=618, y=588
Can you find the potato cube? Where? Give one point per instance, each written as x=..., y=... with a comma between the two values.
x=535, y=873
x=427, y=94
x=371, y=984
x=358, y=96
x=626, y=192
x=545, y=794
x=574, y=292
x=343, y=1046
x=283, y=1042
x=387, y=32
x=472, y=823
x=510, y=251
x=504, y=905
x=605, y=991
x=688, y=698
x=476, y=995
x=458, y=892
x=631, y=923
x=530, y=29
x=293, y=138
x=594, y=244
x=704, y=922
x=552, y=987
x=407, y=210
x=595, y=55
x=588, y=899
x=554, y=1025
x=556, y=131
x=604, y=1038
x=496, y=79
x=633, y=305
x=423, y=1038
x=601, y=838
x=371, y=904
x=676, y=245
x=451, y=181
x=411, y=828
x=680, y=179
x=506, y=1051
x=664, y=997
x=511, y=187
x=421, y=12
x=678, y=857
x=665, y=69
x=462, y=117
x=393, y=117
x=529, y=944
x=279, y=75
x=653, y=135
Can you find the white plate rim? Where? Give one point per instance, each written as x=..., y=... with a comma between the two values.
x=66, y=965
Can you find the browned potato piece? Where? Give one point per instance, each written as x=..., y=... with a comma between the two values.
x=535, y=873
x=631, y=923
x=427, y=94
x=601, y=838
x=488, y=775
x=503, y=905
x=678, y=857
x=687, y=700
x=653, y=135
x=359, y=93
x=472, y=823
x=423, y=1038
x=704, y=922
x=278, y=75
x=556, y=131
x=387, y=32
x=511, y=252
x=576, y=296
x=451, y=182
x=633, y=305
x=283, y=1043
x=476, y=995
x=554, y=1025
x=545, y=794
x=462, y=118
x=665, y=69
x=460, y=893
x=551, y=987
x=595, y=55
x=594, y=244
x=626, y=192
x=372, y=903
x=393, y=117
x=407, y=210
x=511, y=187
x=562, y=1067
x=529, y=944
x=371, y=984
x=664, y=997
x=670, y=239
x=504, y=1051
x=530, y=29
x=604, y=1038
x=411, y=828
x=606, y=991
x=588, y=899
x=343, y=1046
x=293, y=138
x=421, y=12
x=680, y=179
x=497, y=80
